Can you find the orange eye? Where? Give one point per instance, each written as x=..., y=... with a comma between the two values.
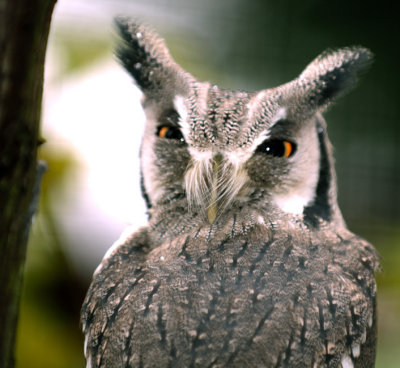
x=169, y=132
x=277, y=148
x=288, y=148
x=162, y=132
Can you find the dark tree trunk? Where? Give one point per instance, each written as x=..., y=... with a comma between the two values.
x=24, y=28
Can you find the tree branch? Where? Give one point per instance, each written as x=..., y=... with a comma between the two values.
x=24, y=28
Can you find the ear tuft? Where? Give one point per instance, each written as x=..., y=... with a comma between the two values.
x=139, y=51
x=145, y=56
x=332, y=73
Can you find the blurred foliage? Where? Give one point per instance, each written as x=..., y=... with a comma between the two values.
x=388, y=280
x=47, y=340
x=79, y=49
x=249, y=45
x=95, y=49
x=49, y=334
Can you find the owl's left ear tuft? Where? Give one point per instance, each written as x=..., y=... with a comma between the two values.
x=332, y=74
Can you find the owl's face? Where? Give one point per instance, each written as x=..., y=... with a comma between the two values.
x=221, y=149
x=213, y=151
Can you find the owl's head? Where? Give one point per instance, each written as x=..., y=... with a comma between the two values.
x=212, y=150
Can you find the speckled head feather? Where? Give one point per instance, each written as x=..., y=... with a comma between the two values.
x=227, y=124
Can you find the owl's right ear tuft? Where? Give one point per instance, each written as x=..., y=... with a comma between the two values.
x=146, y=58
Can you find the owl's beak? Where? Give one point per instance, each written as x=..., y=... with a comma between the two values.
x=213, y=205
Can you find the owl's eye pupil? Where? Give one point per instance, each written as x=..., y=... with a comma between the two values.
x=168, y=132
x=277, y=148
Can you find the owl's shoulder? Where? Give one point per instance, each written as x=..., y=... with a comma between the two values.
x=122, y=263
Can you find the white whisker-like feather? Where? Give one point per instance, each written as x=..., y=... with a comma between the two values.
x=212, y=183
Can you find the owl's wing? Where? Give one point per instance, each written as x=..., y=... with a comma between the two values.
x=343, y=305
x=114, y=280
x=368, y=349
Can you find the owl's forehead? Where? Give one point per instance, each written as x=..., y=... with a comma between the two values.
x=220, y=118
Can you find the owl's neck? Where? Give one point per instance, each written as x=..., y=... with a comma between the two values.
x=169, y=221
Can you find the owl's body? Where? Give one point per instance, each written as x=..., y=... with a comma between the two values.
x=246, y=260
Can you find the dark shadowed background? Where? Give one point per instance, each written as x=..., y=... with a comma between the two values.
x=92, y=123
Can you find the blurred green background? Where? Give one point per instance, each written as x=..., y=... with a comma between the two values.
x=246, y=44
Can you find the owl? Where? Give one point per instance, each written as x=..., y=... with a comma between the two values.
x=246, y=260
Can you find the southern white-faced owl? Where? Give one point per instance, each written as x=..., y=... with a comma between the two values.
x=246, y=260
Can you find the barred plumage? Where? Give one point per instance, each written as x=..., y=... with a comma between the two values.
x=246, y=260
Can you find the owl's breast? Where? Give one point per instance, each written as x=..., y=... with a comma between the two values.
x=237, y=302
